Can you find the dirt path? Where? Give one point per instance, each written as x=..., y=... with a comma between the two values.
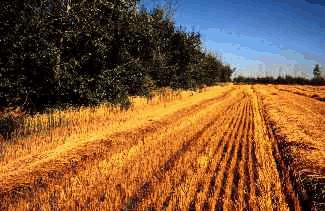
x=214, y=153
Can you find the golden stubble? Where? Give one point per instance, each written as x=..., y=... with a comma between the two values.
x=206, y=150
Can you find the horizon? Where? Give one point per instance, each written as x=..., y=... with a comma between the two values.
x=268, y=38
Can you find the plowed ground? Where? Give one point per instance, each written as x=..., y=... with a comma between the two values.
x=206, y=152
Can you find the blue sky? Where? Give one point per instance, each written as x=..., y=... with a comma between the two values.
x=259, y=37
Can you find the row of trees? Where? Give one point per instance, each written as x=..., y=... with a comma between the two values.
x=58, y=52
x=316, y=80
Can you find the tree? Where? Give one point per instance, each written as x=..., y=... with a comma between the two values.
x=317, y=72
x=226, y=73
x=74, y=52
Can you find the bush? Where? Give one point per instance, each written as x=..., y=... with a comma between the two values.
x=9, y=123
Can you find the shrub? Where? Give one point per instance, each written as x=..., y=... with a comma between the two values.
x=10, y=122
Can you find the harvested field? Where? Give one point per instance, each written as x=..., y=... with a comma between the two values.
x=298, y=123
x=316, y=92
x=223, y=148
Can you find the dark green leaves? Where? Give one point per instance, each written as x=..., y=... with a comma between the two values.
x=77, y=52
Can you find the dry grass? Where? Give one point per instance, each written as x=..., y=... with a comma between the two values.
x=299, y=124
x=315, y=92
x=209, y=149
x=43, y=132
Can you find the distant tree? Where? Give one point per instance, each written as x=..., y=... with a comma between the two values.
x=317, y=72
x=288, y=79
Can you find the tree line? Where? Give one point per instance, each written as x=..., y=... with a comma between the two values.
x=73, y=52
x=288, y=79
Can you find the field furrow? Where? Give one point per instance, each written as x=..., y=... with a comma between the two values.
x=124, y=140
x=220, y=173
x=252, y=172
x=227, y=182
x=206, y=146
x=213, y=150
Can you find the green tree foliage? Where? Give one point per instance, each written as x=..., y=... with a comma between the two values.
x=58, y=52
